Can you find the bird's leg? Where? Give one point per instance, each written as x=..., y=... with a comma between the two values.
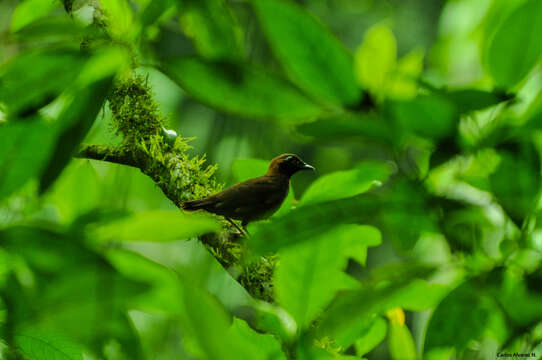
x=236, y=226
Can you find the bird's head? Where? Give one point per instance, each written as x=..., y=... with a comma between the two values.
x=287, y=164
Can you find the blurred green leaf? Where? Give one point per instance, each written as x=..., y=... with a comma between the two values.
x=43, y=346
x=427, y=115
x=309, y=274
x=368, y=128
x=153, y=11
x=390, y=289
x=30, y=10
x=517, y=193
x=466, y=314
x=309, y=222
x=311, y=55
x=120, y=18
x=373, y=335
x=214, y=29
x=24, y=91
x=510, y=59
x=24, y=149
x=400, y=342
x=210, y=326
x=74, y=123
x=157, y=226
x=375, y=59
x=468, y=100
x=53, y=29
x=244, y=169
x=242, y=90
x=344, y=184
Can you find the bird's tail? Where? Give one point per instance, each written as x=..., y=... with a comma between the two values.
x=194, y=204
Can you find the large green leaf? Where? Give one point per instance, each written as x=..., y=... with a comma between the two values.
x=24, y=91
x=308, y=222
x=313, y=57
x=73, y=124
x=43, y=346
x=515, y=48
x=243, y=90
x=212, y=26
x=343, y=184
x=364, y=127
x=309, y=274
x=29, y=10
x=157, y=226
x=24, y=149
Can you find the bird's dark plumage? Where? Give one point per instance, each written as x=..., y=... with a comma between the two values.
x=256, y=198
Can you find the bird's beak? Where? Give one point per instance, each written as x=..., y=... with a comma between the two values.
x=308, y=167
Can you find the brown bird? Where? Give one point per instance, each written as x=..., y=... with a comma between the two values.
x=254, y=199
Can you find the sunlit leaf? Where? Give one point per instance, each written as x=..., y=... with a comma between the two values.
x=510, y=59
x=375, y=59
x=120, y=17
x=153, y=11
x=30, y=10
x=72, y=126
x=313, y=58
x=400, y=342
x=212, y=26
x=267, y=344
x=43, y=346
x=243, y=90
x=343, y=184
x=157, y=226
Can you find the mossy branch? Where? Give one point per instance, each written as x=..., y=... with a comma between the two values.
x=164, y=159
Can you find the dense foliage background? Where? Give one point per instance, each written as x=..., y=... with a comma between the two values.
x=418, y=237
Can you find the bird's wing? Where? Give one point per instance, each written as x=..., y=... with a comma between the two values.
x=251, y=197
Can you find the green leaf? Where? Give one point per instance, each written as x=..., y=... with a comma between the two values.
x=517, y=193
x=308, y=222
x=214, y=29
x=364, y=127
x=157, y=226
x=120, y=18
x=24, y=149
x=209, y=324
x=30, y=10
x=466, y=314
x=242, y=90
x=468, y=100
x=343, y=184
x=510, y=60
x=267, y=344
x=45, y=346
x=429, y=116
x=372, y=336
x=52, y=72
x=310, y=273
x=73, y=124
x=400, y=342
x=375, y=59
x=153, y=11
x=388, y=289
x=313, y=58
x=244, y=169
